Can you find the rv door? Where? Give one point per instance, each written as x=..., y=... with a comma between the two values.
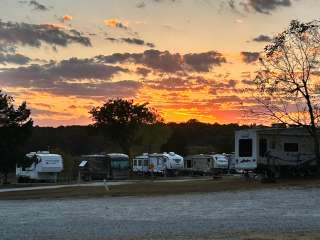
x=245, y=148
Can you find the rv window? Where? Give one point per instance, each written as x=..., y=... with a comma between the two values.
x=139, y=162
x=291, y=147
x=263, y=147
x=245, y=147
x=146, y=162
x=135, y=163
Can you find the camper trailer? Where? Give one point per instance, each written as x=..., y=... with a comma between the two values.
x=39, y=167
x=104, y=166
x=280, y=150
x=158, y=163
x=204, y=164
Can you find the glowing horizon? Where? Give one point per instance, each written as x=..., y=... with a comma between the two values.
x=187, y=59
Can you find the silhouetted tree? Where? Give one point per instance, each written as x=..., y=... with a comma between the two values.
x=287, y=84
x=15, y=127
x=121, y=119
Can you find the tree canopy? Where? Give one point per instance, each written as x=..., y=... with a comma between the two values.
x=121, y=119
x=15, y=127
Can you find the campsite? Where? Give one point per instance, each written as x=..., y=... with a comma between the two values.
x=159, y=119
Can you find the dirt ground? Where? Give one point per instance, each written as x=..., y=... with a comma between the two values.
x=157, y=188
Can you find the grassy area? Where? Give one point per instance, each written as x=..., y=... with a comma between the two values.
x=149, y=188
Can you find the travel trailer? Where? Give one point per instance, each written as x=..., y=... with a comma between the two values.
x=104, y=166
x=158, y=163
x=204, y=164
x=278, y=150
x=40, y=167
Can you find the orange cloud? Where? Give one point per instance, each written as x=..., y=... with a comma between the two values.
x=67, y=18
x=53, y=26
x=115, y=23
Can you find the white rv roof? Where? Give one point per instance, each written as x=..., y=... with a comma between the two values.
x=43, y=155
x=274, y=130
x=117, y=155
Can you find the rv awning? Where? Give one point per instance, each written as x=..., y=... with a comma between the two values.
x=83, y=163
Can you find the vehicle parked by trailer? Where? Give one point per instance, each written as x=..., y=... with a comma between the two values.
x=158, y=163
x=276, y=151
x=104, y=166
x=41, y=166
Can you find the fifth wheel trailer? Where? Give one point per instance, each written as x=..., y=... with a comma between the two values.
x=41, y=166
x=158, y=163
x=279, y=151
x=206, y=163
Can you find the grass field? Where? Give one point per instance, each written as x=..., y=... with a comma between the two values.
x=150, y=188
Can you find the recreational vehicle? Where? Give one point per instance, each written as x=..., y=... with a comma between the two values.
x=206, y=163
x=158, y=163
x=104, y=166
x=39, y=166
x=278, y=150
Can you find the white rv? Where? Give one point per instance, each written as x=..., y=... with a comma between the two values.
x=279, y=149
x=220, y=161
x=206, y=163
x=40, y=166
x=158, y=163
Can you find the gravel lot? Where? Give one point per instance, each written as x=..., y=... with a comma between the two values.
x=168, y=217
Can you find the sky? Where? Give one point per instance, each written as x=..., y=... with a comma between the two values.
x=189, y=59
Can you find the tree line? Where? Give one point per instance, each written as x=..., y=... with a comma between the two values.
x=119, y=125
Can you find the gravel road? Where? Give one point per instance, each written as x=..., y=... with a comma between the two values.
x=169, y=217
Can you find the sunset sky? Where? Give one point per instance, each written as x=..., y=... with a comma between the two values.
x=187, y=58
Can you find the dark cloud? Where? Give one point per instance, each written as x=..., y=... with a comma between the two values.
x=262, y=38
x=260, y=6
x=202, y=62
x=247, y=82
x=138, y=41
x=14, y=58
x=49, y=75
x=173, y=84
x=34, y=35
x=193, y=83
x=7, y=48
x=76, y=77
x=226, y=99
x=134, y=41
x=223, y=87
x=164, y=61
x=143, y=71
x=250, y=57
x=263, y=6
x=126, y=88
x=112, y=39
x=38, y=6
x=36, y=112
